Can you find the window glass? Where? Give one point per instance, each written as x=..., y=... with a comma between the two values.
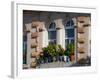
x=24, y=48
x=52, y=33
x=69, y=32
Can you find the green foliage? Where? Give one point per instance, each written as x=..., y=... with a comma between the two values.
x=67, y=53
x=54, y=50
x=60, y=50
x=70, y=48
x=45, y=49
x=50, y=49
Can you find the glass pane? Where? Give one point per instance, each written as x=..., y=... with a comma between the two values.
x=52, y=42
x=24, y=48
x=66, y=41
x=69, y=33
x=52, y=34
x=69, y=23
x=25, y=38
x=52, y=26
x=72, y=41
x=24, y=51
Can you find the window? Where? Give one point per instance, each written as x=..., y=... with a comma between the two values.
x=52, y=33
x=24, y=48
x=69, y=32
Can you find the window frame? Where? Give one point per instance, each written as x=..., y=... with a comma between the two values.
x=69, y=27
x=50, y=29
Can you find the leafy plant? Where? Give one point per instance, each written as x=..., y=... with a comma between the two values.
x=52, y=49
x=70, y=48
x=60, y=50
x=67, y=53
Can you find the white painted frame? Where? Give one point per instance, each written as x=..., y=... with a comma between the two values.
x=17, y=25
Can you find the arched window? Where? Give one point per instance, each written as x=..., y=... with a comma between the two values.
x=52, y=33
x=69, y=32
x=24, y=48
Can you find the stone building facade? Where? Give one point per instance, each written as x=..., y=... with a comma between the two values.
x=36, y=27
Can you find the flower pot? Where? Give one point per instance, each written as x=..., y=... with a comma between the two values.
x=68, y=59
x=46, y=60
x=65, y=58
x=61, y=58
x=72, y=57
x=57, y=58
x=54, y=59
x=49, y=59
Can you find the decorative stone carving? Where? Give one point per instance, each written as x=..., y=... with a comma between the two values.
x=33, y=65
x=81, y=30
x=28, y=27
x=35, y=24
x=59, y=24
x=35, y=54
x=86, y=25
x=81, y=50
x=34, y=45
x=34, y=35
x=81, y=40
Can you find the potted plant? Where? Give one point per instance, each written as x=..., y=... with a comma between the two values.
x=45, y=54
x=61, y=53
x=71, y=49
x=66, y=55
x=52, y=51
